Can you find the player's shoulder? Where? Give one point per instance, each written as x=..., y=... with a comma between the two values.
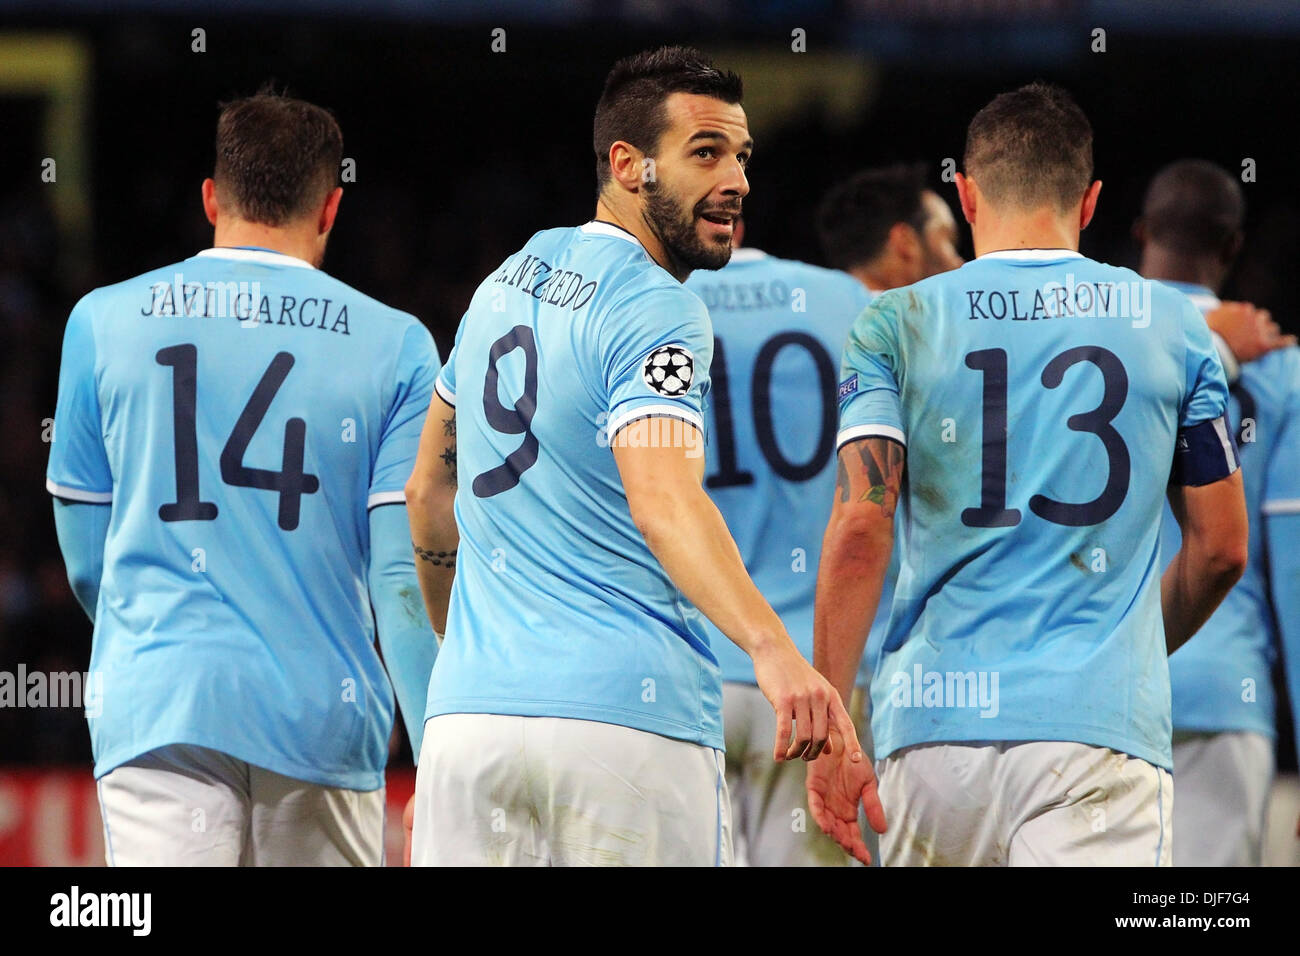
x=820, y=277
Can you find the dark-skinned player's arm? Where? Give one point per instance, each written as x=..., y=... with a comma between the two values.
x=855, y=557
x=430, y=500
x=686, y=533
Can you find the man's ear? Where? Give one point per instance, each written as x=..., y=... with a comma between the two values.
x=210, y=205
x=905, y=243
x=1139, y=231
x=630, y=167
x=966, y=195
x=329, y=210
x=1089, y=205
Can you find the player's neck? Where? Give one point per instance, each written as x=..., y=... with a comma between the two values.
x=880, y=276
x=1164, y=265
x=301, y=243
x=1042, y=228
x=631, y=221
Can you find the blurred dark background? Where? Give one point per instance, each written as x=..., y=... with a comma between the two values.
x=462, y=153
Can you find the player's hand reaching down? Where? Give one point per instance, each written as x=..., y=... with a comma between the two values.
x=803, y=698
x=838, y=782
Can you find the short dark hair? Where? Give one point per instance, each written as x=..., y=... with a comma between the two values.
x=1193, y=207
x=1031, y=147
x=277, y=157
x=631, y=108
x=855, y=216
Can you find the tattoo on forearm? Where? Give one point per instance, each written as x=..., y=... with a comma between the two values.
x=842, y=479
x=441, y=558
x=449, y=427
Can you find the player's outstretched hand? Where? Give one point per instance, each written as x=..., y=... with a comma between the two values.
x=408, y=824
x=807, y=706
x=837, y=782
x=1249, y=332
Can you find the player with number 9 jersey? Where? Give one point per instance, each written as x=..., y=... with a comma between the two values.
x=542, y=379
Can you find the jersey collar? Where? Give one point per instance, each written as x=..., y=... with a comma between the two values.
x=747, y=254
x=598, y=227
x=1032, y=255
x=255, y=254
x=1202, y=296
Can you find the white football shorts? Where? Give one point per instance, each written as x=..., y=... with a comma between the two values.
x=496, y=790
x=192, y=806
x=1041, y=803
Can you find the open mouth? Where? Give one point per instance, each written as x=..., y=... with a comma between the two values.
x=719, y=218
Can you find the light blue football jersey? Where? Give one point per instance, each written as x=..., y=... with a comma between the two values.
x=1222, y=678
x=241, y=411
x=559, y=608
x=1040, y=396
x=779, y=328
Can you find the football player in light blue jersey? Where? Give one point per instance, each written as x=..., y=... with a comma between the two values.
x=778, y=330
x=1224, y=711
x=575, y=710
x=1046, y=403
x=231, y=444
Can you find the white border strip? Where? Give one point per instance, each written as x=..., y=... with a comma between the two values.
x=1281, y=506
x=444, y=393
x=847, y=435
x=651, y=411
x=256, y=255
x=1221, y=429
x=1036, y=255
x=76, y=494
x=386, y=498
x=595, y=228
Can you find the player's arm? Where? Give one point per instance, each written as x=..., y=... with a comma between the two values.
x=855, y=555
x=78, y=474
x=82, y=529
x=1243, y=333
x=430, y=500
x=405, y=637
x=686, y=533
x=1212, y=557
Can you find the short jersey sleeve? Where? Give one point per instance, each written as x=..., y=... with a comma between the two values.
x=868, y=393
x=78, y=468
x=1206, y=395
x=417, y=369
x=655, y=352
x=446, y=382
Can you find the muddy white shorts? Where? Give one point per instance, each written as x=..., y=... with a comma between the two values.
x=1043, y=803
x=496, y=790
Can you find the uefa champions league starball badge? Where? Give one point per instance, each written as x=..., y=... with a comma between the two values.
x=669, y=370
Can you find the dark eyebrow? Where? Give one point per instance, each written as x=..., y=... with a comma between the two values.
x=715, y=135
